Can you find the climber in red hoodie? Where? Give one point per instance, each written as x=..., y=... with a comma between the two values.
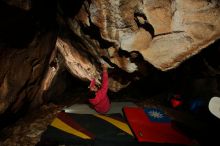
x=100, y=100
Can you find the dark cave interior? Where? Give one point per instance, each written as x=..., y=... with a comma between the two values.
x=196, y=80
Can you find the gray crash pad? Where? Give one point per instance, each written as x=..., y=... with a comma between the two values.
x=116, y=107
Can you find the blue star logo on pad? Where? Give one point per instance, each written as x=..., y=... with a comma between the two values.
x=156, y=115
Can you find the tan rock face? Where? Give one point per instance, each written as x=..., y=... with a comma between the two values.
x=77, y=64
x=178, y=29
x=159, y=15
x=164, y=32
x=194, y=25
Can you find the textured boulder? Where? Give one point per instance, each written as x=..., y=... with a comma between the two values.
x=193, y=26
x=22, y=71
x=26, y=50
x=165, y=32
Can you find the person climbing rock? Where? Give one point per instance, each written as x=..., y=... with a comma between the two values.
x=98, y=96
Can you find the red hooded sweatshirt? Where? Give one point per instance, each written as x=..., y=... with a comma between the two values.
x=101, y=101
